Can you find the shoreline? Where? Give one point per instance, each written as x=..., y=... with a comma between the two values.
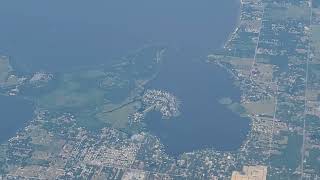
x=236, y=26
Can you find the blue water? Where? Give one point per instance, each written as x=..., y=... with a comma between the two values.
x=58, y=35
x=204, y=122
x=14, y=114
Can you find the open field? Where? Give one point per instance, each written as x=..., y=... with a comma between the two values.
x=119, y=117
x=315, y=43
x=5, y=69
x=264, y=107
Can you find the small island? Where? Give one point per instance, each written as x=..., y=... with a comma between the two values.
x=157, y=100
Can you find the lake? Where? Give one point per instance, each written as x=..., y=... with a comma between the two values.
x=204, y=122
x=15, y=113
x=61, y=35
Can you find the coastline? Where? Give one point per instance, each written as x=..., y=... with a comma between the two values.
x=235, y=78
x=236, y=26
x=27, y=115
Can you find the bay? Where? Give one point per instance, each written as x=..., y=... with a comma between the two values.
x=14, y=115
x=60, y=35
x=204, y=122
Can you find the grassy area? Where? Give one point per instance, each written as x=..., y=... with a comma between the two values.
x=71, y=95
x=314, y=74
x=290, y=156
x=5, y=69
x=297, y=12
x=315, y=33
x=316, y=3
x=81, y=93
x=6, y=79
x=241, y=63
x=119, y=117
x=265, y=107
x=315, y=40
x=88, y=120
x=91, y=93
x=290, y=11
x=313, y=160
x=77, y=93
x=3, y=149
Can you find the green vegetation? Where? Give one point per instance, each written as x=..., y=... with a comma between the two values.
x=119, y=117
x=290, y=156
x=313, y=159
x=315, y=3
x=264, y=107
x=38, y=162
x=91, y=94
x=87, y=120
x=5, y=69
x=267, y=57
x=7, y=79
x=314, y=74
x=71, y=93
x=3, y=149
x=289, y=11
x=315, y=40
